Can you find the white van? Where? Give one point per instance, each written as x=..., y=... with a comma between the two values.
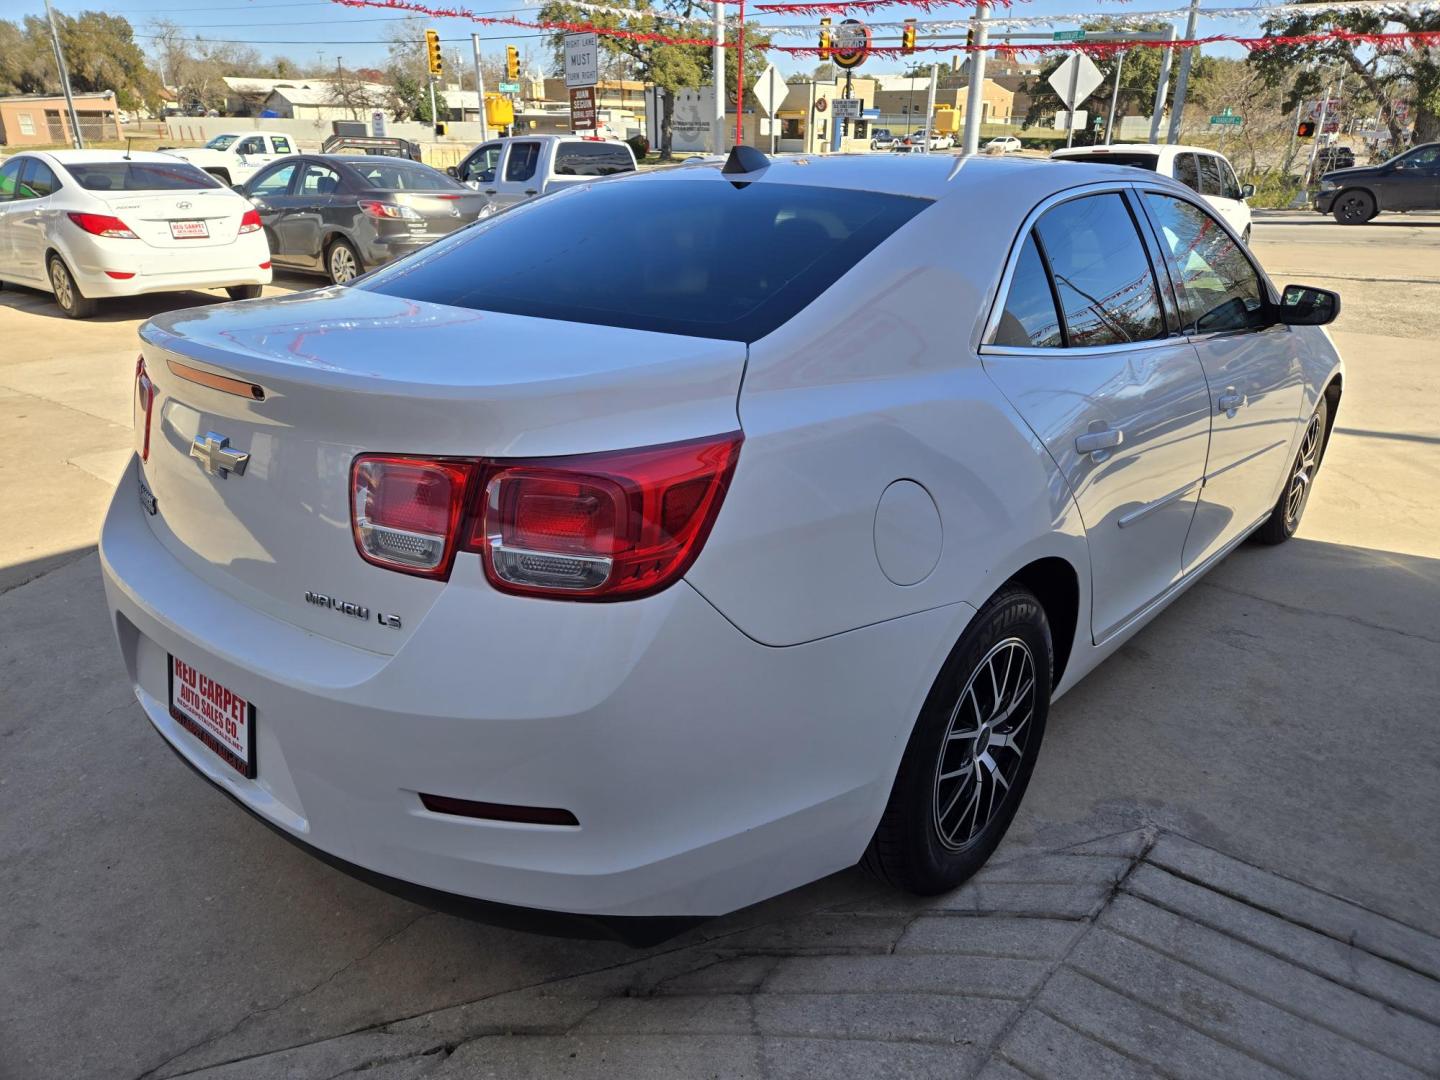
x=1205, y=171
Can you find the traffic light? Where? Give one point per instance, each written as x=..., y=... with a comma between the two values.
x=825, y=38
x=512, y=63
x=907, y=37
x=1305, y=129
x=432, y=49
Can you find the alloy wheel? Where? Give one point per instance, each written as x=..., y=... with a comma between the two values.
x=985, y=743
x=343, y=267
x=1305, y=464
x=60, y=282
x=1354, y=209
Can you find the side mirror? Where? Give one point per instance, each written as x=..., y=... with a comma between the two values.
x=1305, y=305
x=452, y=172
x=1247, y=191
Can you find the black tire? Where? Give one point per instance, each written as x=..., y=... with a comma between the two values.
x=342, y=263
x=920, y=846
x=68, y=297
x=244, y=292
x=1353, y=207
x=1285, y=518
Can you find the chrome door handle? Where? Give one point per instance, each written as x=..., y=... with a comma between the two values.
x=1229, y=401
x=489, y=191
x=1100, y=438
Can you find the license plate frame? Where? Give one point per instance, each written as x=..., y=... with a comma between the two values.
x=190, y=230
x=230, y=726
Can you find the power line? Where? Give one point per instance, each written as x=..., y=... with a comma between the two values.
x=346, y=41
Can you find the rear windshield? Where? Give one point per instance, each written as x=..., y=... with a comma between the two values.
x=1137, y=161
x=140, y=176
x=667, y=252
x=402, y=176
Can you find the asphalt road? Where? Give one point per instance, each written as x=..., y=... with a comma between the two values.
x=1262, y=762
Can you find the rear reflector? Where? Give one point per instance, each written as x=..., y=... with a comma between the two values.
x=120, y=275
x=103, y=225
x=265, y=266
x=528, y=815
x=609, y=526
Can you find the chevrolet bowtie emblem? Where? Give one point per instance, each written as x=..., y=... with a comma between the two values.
x=213, y=452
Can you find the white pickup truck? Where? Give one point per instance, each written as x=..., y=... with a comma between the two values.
x=235, y=156
x=523, y=167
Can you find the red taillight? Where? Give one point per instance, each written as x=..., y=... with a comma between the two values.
x=103, y=225
x=249, y=222
x=607, y=526
x=144, y=403
x=376, y=209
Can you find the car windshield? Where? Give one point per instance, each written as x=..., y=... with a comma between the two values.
x=221, y=142
x=1136, y=161
x=714, y=259
x=402, y=176
x=140, y=176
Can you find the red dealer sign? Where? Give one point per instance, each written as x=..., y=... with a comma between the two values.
x=582, y=108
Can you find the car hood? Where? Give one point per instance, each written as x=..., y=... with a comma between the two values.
x=1355, y=172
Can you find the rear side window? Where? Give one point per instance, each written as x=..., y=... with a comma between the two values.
x=1102, y=275
x=714, y=260
x=140, y=176
x=1209, y=175
x=1229, y=186
x=1185, y=171
x=520, y=164
x=592, y=159
x=38, y=181
x=1029, y=318
x=319, y=180
x=282, y=144
x=9, y=175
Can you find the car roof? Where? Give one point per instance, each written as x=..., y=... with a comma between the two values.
x=81, y=157
x=360, y=159
x=1134, y=148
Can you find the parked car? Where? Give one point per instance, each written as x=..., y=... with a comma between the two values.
x=1409, y=181
x=907, y=147
x=882, y=139
x=236, y=156
x=1201, y=170
x=342, y=215
x=90, y=224
x=939, y=140
x=371, y=145
x=568, y=564
x=1005, y=144
x=512, y=170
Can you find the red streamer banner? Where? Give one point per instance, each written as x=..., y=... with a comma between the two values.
x=506, y=20
x=852, y=7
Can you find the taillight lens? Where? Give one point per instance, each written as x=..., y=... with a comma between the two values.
x=405, y=512
x=376, y=209
x=103, y=225
x=608, y=526
x=249, y=222
x=144, y=406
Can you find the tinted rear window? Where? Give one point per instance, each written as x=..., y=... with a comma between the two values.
x=666, y=252
x=1137, y=161
x=592, y=159
x=402, y=176
x=140, y=176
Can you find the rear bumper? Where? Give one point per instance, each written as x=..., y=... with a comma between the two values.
x=159, y=270
x=706, y=771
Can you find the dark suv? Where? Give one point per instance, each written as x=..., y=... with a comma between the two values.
x=1410, y=181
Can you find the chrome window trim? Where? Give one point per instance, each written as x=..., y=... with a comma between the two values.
x=997, y=305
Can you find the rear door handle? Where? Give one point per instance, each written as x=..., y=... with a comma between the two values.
x=531, y=191
x=1230, y=400
x=489, y=191
x=1098, y=440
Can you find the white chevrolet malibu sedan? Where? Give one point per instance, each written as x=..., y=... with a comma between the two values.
x=651, y=549
x=90, y=224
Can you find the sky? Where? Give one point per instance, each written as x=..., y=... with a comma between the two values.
x=312, y=31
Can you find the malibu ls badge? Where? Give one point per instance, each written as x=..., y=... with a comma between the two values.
x=216, y=457
x=345, y=607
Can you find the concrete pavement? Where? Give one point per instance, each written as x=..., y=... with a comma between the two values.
x=1224, y=867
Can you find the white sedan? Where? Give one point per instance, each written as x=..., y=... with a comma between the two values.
x=90, y=224
x=661, y=590
x=1004, y=144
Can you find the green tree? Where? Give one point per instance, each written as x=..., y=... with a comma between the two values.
x=100, y=52
x=1387, y=77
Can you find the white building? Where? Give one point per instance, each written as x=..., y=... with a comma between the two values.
x=316, y=99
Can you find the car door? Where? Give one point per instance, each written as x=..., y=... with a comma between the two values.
x=29, y=218
x=481, y=168
x=316, y=196
x=519, y=174
x=252, y=153
x=1212, y=187
x=1083, y=349
x=1184, y=169
x=1252, y=365
x=1228, y=200
x=9, y=184
x=270, y=193
x=1413, y=182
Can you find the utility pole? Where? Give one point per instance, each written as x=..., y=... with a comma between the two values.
x=740, y=78
x=480, y=88
x=75, y=135
x=975, y=92
x=1114, y=97
x=1319, y=135
x=1162, y=87
x=930, y=108
x=1182, y=80
x=717, y=62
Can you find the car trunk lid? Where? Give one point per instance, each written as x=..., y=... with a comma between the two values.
x=204, y=217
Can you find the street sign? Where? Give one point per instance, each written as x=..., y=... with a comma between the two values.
x=1072, y=121
x=582, y=59
x=770, y=90
x=377, y=124
x=509, y=87
x=582, y=108
x=848, y=108
x=1226, y=120
x=1079, y=74
x=1068, y=35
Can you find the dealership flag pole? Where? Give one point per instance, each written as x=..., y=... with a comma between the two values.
x=65, y=79
x=740, y=79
